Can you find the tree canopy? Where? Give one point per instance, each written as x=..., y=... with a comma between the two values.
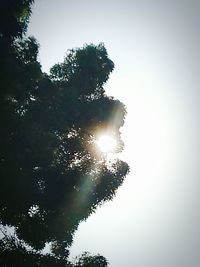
x=14, y=17
x=52, y=175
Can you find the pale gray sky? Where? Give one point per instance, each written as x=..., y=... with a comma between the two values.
x=154, y=219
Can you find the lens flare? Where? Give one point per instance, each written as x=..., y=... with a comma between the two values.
x=106, y=143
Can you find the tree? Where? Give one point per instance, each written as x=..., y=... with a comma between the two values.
x=14, y=17
x=52, y=176
x=13, y=253
x=87, y=260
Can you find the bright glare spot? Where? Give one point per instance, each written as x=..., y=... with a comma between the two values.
x=106, y=143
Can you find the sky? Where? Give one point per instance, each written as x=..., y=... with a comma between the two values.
x=154, y=219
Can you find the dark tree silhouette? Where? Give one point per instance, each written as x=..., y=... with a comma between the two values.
x=52, y=176
x=13, y=253
x=86, y=260
x=14, y=17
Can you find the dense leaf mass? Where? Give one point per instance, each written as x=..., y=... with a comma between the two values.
x=14, y=17
x=52, y=176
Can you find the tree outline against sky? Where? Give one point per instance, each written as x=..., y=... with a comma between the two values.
x=53, y=176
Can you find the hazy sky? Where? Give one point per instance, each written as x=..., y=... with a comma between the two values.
x=154, y=219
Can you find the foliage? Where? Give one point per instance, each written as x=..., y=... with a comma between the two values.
x=14, y=16
x=87, y=260
x=12, y=251
x=52, y=176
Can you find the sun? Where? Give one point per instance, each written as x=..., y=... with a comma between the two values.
x=106, y=143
